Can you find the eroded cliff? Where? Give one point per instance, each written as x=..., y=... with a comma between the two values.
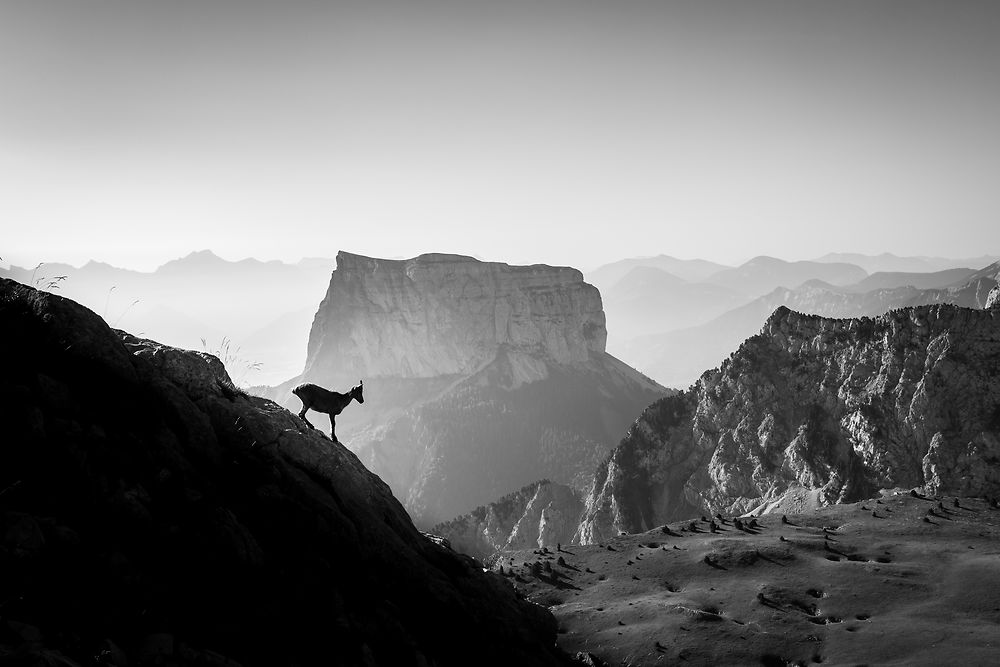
x=814, y=411
x=152, y=513
x=440, y=314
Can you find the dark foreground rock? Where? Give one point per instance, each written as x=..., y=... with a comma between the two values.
x=151, y=512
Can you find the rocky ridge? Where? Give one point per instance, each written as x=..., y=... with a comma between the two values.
x=152, y=512
x=708, y=344
x=542, y=514
x=814, y=411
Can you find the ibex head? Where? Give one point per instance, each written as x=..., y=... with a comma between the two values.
x=356, y=392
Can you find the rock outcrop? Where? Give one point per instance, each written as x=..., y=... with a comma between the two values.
x=815, y=411
x=152, y=512
x=479, y=377
x=993, y=300
x=442, y=314
x=543, y=514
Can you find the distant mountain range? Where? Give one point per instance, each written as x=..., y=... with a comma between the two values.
x=678, y=357
x=890, y=263
x=648, y=300
x=264, y=309
x=891, y=279
x=762, y=274
x=693, y=270
x=673, y=329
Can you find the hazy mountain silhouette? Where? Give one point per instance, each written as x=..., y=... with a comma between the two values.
x=762, y=274
x=887, y=262
x=694, y=270
x=648, y=300
x=931, y=280
x=677, y=358
x=202, y=296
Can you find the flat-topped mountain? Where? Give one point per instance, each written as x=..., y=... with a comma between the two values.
x=440, y=314
x=480, y=377
x=150, y=513
x=814, y=411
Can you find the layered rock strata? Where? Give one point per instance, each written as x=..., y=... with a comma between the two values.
x=440, y=314
x=152, y=513
x=815, y=410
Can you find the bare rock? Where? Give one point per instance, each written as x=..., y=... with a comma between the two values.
x=814, y=411
x=543, y=514
x=993, y=300
x=448, y=315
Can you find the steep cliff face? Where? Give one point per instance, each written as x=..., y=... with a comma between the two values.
x=816, y=411
x=150, y=510
x=543, y=514
x=993, y=300
x=441, y=314
x=479, y=377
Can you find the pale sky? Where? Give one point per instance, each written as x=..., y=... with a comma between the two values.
x=577, y=133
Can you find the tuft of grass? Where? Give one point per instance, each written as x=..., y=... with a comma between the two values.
x=107, y=302
x=124, y=313
x=45, y=283
x=232, y=358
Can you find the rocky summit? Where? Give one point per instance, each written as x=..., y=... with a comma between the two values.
x=152, y=513
x=814, y=411
x=480, y=377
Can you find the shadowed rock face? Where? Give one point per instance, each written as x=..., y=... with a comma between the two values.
x=479, y=377
x=836, y=407
x=146, y=503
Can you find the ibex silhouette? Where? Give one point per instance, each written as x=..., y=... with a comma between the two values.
x=316, y=398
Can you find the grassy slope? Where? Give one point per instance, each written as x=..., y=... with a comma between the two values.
x=890, y=589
